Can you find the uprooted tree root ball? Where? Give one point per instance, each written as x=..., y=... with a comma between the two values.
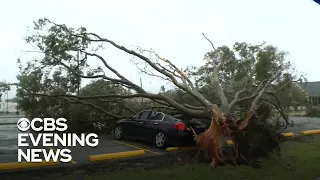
x=253, y=138
x=210, y=140
x=257, y=140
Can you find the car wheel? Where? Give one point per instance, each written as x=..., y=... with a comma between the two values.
x=118, y=132
x=160, y=140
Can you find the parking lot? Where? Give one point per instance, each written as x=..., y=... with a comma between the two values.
x=107, y=149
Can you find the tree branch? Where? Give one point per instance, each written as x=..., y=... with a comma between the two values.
x=255, y=101
x=196, y=113
x=97, y=38
x=209, y=41
x=77, y=101
x=122, y=79
x=254, y=94
x=201, y=99
x=224, y=101
x=279, y=109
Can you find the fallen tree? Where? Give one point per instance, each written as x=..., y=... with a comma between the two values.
x=59, y=44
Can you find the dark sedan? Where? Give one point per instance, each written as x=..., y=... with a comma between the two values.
x=156, y=127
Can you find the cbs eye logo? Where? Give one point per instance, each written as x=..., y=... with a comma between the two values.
x=23, y=124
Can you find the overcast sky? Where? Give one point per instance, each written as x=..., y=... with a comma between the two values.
x=172, y=28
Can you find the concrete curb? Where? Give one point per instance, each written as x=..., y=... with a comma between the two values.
x=117, y=155
x=309, y=132
x=93, y=167
x=290, y=134
x=168, y=149
x=24, y=165
x=91, y=158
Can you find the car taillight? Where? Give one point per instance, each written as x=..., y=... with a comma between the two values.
x=180, y=126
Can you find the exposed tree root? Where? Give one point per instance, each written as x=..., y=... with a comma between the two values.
x=251, y=138
x=210, y=140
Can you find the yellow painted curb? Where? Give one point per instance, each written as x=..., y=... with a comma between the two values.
x=290, y=134
x=23, y=165
x=229, y=142
x=172, y=149
x=100, y=157
x=181, y=148
x=309, y=132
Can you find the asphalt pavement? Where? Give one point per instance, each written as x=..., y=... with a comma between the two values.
x=107, y=145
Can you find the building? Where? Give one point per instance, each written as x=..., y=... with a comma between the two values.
x=312, y=90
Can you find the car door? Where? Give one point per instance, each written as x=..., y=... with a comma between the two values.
x=132, y=125
x=151, y=126
x=138, y=124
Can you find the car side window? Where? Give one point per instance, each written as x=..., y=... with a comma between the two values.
x=137, y=116
x=142, y=115
x=145, y=115
x=166, y=118
x=156, y=117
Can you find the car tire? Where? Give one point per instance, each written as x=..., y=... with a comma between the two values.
x=160, y=140
x=118, y=132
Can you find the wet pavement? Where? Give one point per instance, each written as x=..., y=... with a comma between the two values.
x=9, y=141
x=106, y=145
x=80, y=155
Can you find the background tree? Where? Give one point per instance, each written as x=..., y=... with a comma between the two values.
x=82, y=116
x=4, y=87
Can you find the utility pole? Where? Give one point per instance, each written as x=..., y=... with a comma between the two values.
x=141, y=87
x=140, y=83
x=7, y=101
x=78, y=91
